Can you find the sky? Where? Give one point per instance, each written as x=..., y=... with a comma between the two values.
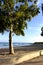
x=32, y=33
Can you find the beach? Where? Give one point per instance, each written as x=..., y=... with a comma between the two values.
x=21, y=55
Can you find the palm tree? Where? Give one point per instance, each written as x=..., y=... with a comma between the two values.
x=13, y=17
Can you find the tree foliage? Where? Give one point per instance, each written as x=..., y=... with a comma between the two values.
x=17, y=15
x=42, y=31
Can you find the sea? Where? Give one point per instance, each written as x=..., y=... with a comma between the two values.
x=15, y=44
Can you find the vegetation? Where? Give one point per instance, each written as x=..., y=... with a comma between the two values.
x=38, y=43
x=13, y=17
x=42, y=31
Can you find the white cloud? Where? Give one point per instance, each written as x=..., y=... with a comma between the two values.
x=38, y=2
x=37, y=39
x=27, y=39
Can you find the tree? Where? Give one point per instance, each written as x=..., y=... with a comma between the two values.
x=13, y=17
x=42, y=9
x=42, y=15
x=42, y=31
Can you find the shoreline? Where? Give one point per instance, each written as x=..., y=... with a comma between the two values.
x=22, y=49
x=32, y=47
x=6, y=45
x=23, y=53
x=20, y=57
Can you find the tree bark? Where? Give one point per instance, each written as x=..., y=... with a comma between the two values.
x=11, y=50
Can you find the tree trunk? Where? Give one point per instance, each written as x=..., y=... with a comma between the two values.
x=11, y=50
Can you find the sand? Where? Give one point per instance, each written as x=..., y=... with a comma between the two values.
x=6, y=59
x=35, y=61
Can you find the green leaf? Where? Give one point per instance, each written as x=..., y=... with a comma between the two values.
x=17, y=16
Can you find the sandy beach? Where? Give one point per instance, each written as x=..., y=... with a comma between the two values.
x=6, y=59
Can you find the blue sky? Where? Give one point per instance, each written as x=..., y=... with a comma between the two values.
x=32, y=34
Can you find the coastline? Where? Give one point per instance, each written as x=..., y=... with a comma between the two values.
x=29, y=48
x=19, y=52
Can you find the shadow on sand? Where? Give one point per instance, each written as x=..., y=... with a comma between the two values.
x=22, y=54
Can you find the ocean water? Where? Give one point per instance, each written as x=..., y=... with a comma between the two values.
x=6, y=44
